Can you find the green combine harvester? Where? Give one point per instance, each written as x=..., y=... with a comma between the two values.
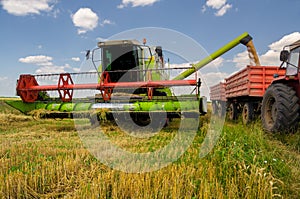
x=132, y=80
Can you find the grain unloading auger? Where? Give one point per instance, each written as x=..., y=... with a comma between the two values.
x=131, y=78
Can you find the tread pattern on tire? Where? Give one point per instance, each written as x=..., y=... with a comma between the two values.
x=286, y=102
x=250, y=113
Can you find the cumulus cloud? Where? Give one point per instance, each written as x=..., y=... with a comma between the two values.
x=3, y=78
x=46, y=65
x=50, y=69
x=271, y=57
x=85, y=19
x=285, y=40
x=26, y=7
x=99, y=39
x=106, y=22
x=40, y=60
x=136, y=3
x=221, y=6
x=223, y=10
x=213, y=78
x=215, y=4
x=77, y=59
x=241, y=59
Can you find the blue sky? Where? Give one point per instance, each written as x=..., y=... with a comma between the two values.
x=47, y=36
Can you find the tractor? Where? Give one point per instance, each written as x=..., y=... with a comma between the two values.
x=280, y=105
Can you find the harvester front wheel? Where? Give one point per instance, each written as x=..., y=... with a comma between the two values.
x=280, y=109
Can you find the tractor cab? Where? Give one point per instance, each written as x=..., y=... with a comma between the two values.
x=291, y=58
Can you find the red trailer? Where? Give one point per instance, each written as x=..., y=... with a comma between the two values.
x=244, y=91
x=217, y=96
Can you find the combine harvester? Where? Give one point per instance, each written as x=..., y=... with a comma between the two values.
x=130, y=81
x=272, y=91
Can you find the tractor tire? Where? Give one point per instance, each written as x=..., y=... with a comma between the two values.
x=232, y=111
x=280, y=109
x=247, y=113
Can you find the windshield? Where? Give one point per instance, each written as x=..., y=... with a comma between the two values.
x=292, y=66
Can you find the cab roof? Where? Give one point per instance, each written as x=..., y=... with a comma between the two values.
x=118, y=42
x=294, y=45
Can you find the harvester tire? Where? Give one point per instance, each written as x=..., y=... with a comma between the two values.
x=247, y=113
x=280, y=109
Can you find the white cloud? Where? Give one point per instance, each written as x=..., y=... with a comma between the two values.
x=76, y=70
x=221, y=6
x=46, y=65
x=217, y=62
x=241, y=59
x=85, y=19
x=40, y=60
x=3, y=78
x=77, y=59
x=215, y=4
x=136, y=3
x=271, y=57
x=223, y=10
x=106, y=22
x=55, y=13
x=213, y=78
x=98, y=39
x=50, y=69
x=285, y=40
x=26, y=7
x=203, y=10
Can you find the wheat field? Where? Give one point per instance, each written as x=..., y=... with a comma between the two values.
x=47, y=159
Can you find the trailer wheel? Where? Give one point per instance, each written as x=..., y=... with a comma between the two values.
x=247, y=112
x=232, y=111
x=214, y=107
x=222, y=109
x=280, y=109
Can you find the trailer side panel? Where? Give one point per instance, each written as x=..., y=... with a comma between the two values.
x=251, y=81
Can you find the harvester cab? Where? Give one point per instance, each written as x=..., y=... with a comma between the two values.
x=130, y=61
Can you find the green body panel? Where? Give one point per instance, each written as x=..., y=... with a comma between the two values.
x=211, y=57
x=140, y=106
x=67, y=107
x=82, y=106
x=154, y=75
x=22, y=106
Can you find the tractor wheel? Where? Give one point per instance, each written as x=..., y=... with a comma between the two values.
x=247, y=112
x=232, y=111
x=280, y=109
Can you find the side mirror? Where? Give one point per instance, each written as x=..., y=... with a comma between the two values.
x=284, y=55
x=87, y=55
x=158, y=50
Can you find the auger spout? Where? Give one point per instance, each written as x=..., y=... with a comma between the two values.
x=244, y=39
